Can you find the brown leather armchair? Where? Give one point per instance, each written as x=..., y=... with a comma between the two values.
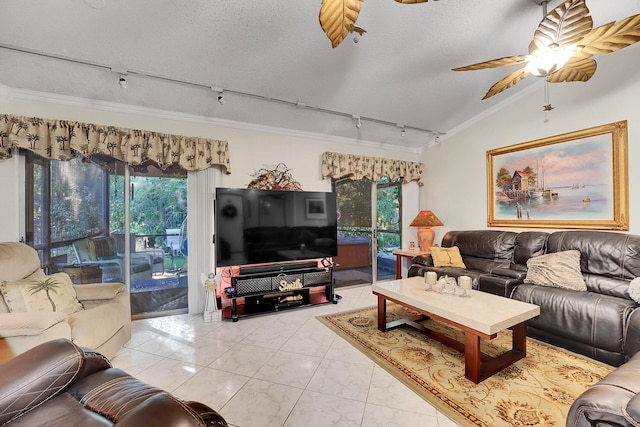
x=60, y=384
x=613, y=401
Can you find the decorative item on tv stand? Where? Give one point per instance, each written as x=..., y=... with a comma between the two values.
x=425, y=220
x=211, y=311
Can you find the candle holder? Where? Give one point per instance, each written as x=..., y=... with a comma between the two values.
x=465, y=283
x=430, y=278
x=448, y=285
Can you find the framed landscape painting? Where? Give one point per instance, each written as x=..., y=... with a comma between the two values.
x=573, y=180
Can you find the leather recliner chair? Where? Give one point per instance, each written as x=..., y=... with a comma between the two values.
x=60, y=384
x=613, y=401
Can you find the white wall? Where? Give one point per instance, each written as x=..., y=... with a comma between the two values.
x=455, y=178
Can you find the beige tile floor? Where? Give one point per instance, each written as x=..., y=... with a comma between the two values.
x=279, y=369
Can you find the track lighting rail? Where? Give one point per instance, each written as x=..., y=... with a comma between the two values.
x=221, y=91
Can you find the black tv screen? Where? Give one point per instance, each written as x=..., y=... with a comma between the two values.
x=266, y=226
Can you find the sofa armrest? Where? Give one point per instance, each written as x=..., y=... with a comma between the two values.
x=21, y=324
x=36, y=376
x=632, y=412
x=116, y=395
x=420, y=260
x=612, y=401
x=507, y=272
x=99, y=291
x=165, y=409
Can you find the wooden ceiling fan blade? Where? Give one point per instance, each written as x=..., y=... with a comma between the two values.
x=337, y=17
x=566, y=24
x=612, y=36
x=494, y=63
x=507, y=82
x=411, y=1
x=577, y=69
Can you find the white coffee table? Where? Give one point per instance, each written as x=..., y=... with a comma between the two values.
x=480, y=316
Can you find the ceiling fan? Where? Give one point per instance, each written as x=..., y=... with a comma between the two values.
x=338, y=18
x=563, y=46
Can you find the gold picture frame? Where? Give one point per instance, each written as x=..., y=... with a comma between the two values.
x=574, y=180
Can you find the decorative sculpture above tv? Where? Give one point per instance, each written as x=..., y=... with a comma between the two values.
x=270, y=226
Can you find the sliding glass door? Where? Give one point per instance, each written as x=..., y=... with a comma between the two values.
x=368, y=230
x=101, y=221
x=157, y=229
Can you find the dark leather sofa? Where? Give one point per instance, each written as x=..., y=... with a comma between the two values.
x=602, y=322
x=496, y=261
x=60, y=384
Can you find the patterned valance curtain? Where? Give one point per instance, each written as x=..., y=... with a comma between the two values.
x=62, y=139
x=356, y=167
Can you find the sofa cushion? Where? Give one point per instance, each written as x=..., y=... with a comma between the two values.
x=102, y=248
x=482, y=250
x=605, y=255
x=560, y=270
x=92, y=328
x=487, y=244
x=529, y=244
x=17, y=261
x=446, y=257
x=584, y=322
x=53, y=293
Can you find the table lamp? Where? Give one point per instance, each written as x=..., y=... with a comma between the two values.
x=425, y=220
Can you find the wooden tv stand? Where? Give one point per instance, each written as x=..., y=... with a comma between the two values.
x=278, y=288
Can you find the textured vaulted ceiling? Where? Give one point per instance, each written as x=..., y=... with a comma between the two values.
x=399, y=72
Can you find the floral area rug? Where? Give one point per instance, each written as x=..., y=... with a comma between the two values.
x=536, y=391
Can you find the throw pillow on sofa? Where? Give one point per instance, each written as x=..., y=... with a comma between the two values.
x=558, y=269
x=53, y=293
x=447, y=257
x=634, y=289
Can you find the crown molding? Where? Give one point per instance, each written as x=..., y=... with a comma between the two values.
x=52, y=98
x=516, y=96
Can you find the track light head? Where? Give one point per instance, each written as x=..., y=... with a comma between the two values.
x=357, y=121
x=122, y=81
x=436, y=136
x=220, y=91
x=403, y=131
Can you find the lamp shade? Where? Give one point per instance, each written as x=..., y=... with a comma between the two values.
x=425, y=220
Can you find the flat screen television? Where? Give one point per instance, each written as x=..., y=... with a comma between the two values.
x=270, y=226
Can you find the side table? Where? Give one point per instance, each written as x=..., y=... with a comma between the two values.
x=81, y=274
x=406, y=253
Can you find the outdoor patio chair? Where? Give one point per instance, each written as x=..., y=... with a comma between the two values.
x=101, y=251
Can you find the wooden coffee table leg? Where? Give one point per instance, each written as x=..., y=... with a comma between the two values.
x=519, y=338
x=472, y=357
x=382, y=313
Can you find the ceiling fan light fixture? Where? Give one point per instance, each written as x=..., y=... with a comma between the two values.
x=548, y=61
